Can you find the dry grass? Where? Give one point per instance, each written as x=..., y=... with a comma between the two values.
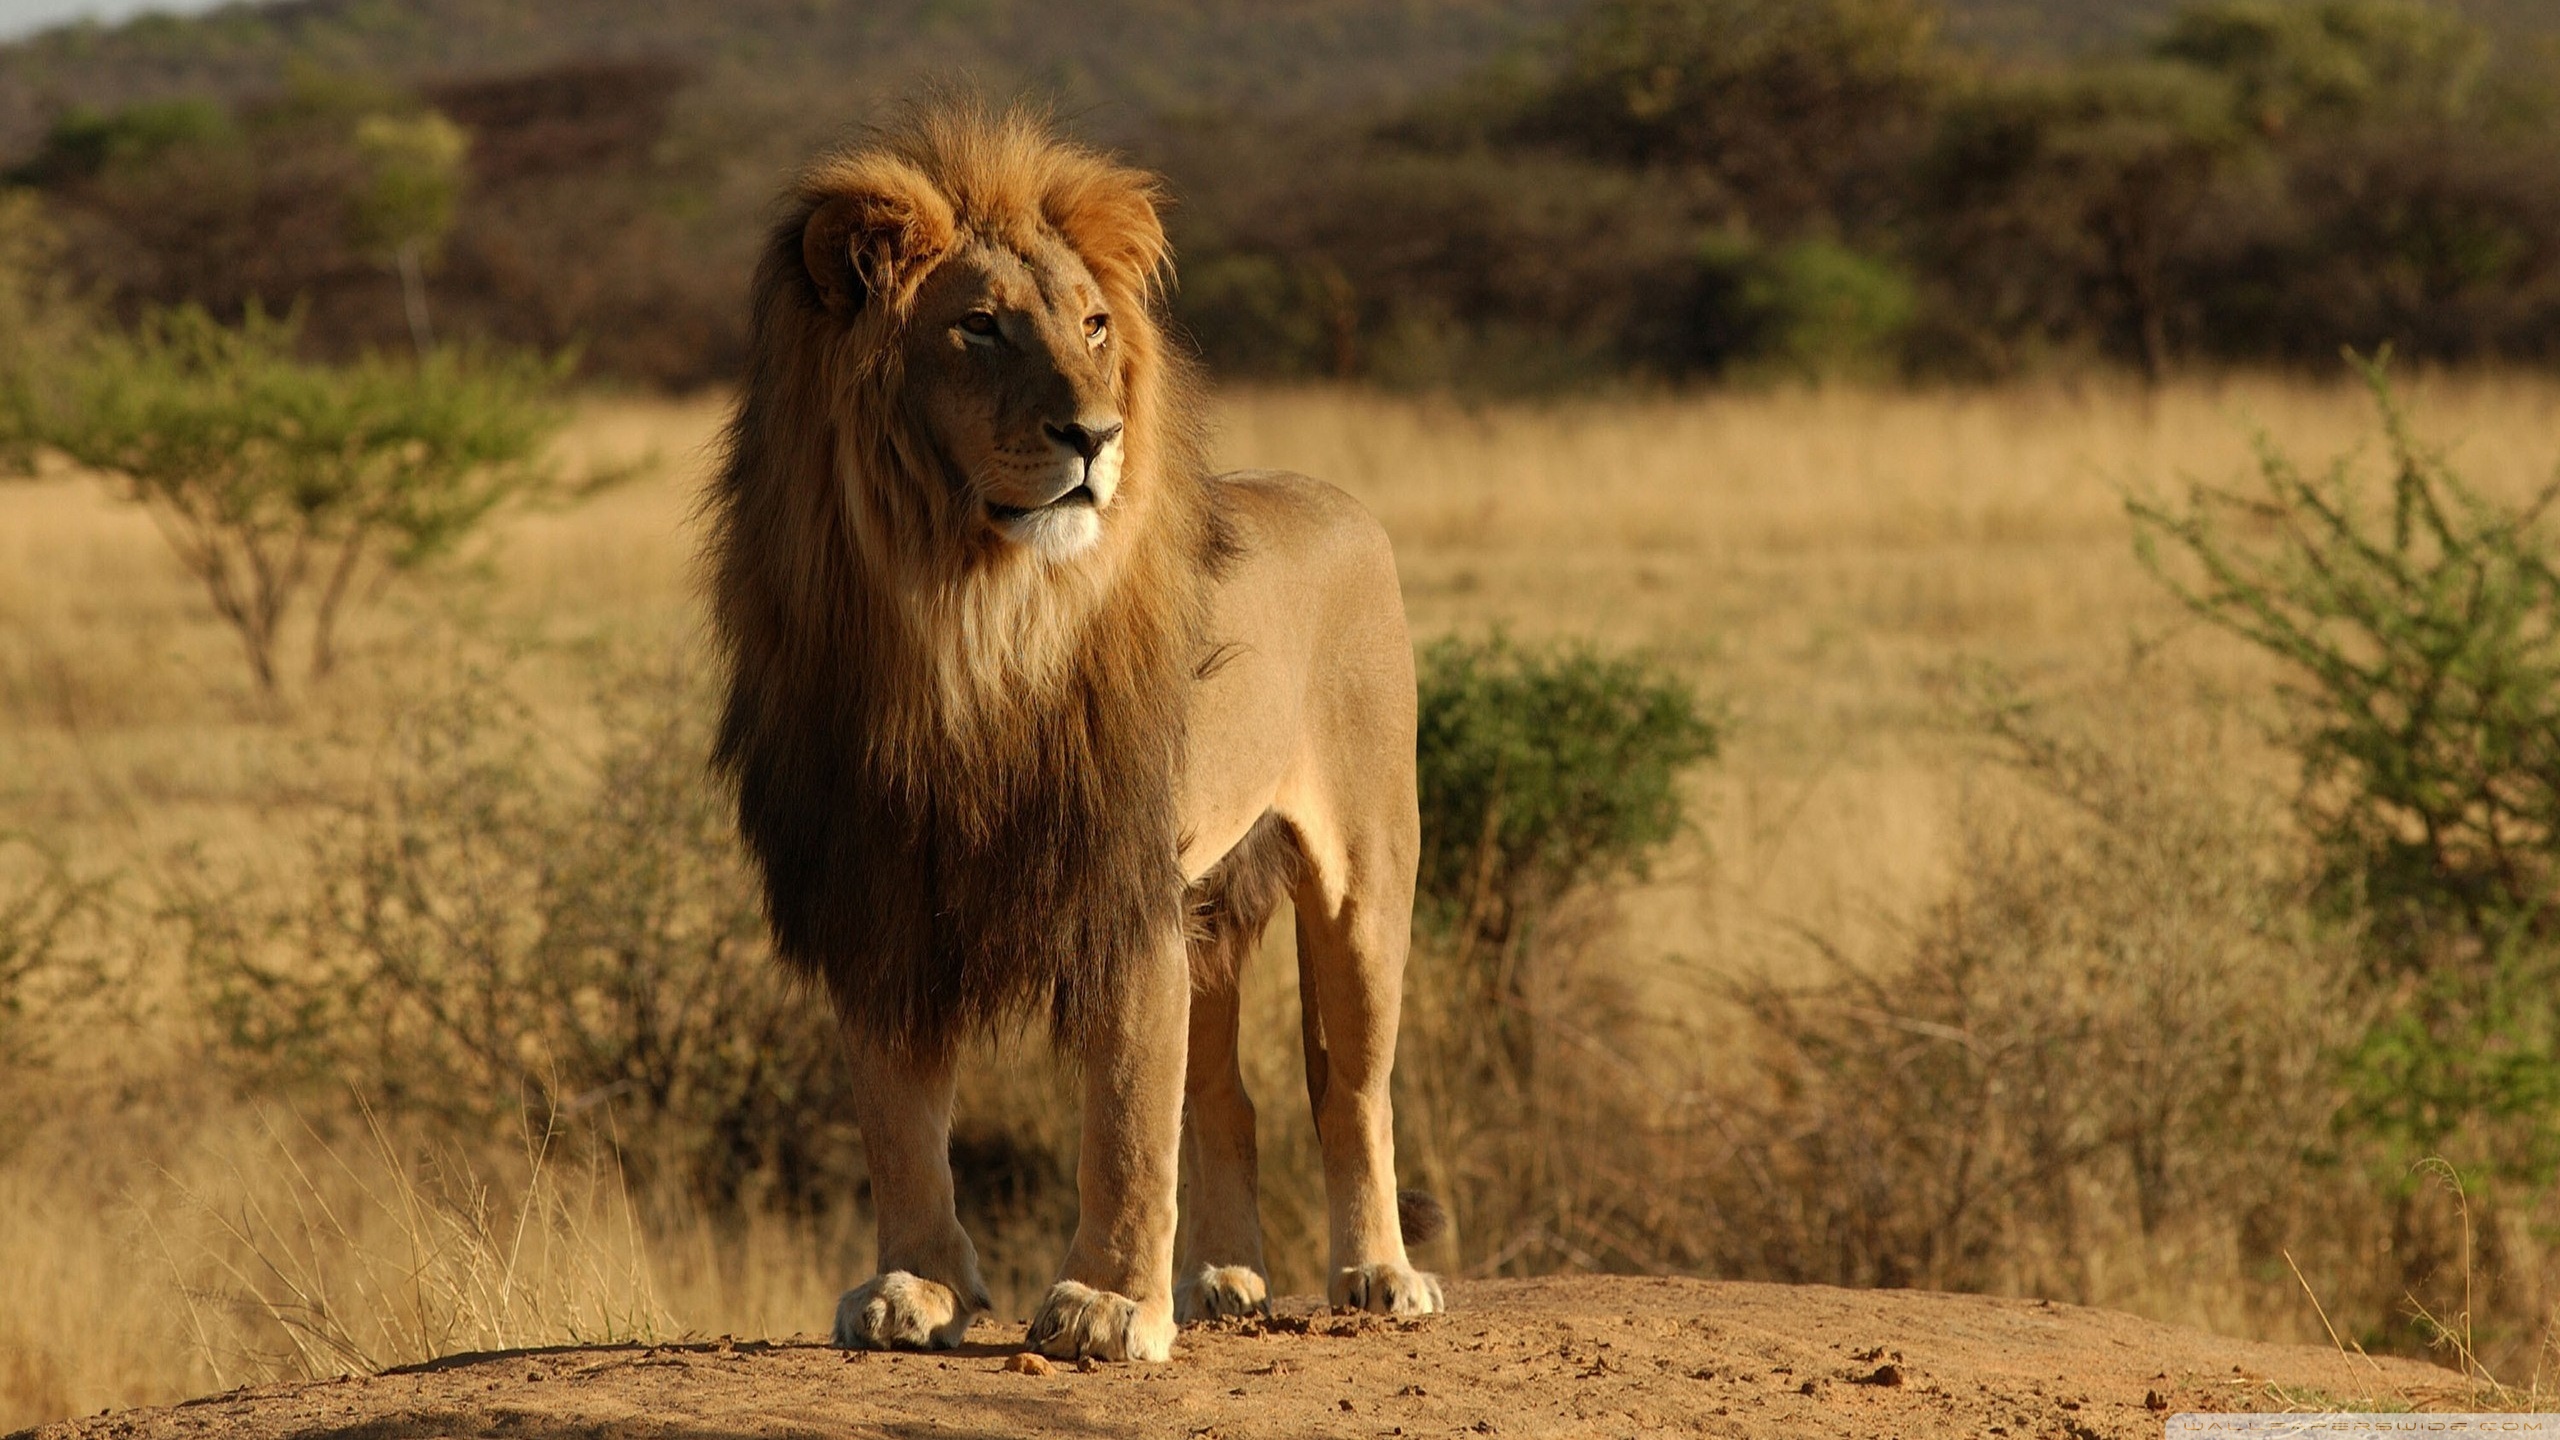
x=1820, y=559
x=335, y=1259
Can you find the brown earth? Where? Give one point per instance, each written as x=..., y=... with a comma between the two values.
x=1567, y=1356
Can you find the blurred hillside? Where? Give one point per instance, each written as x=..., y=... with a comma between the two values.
x=2078, y=26
x=625, y=153
x=1516, y=195
x=1260, y=56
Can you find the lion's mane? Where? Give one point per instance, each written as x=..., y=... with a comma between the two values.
x=955, y=759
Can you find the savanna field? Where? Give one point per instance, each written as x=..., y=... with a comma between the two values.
x=1977, y=965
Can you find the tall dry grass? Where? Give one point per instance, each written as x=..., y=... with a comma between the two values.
x=1824, y=561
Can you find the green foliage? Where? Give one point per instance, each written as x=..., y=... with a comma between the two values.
x=499, y=934
x=2423, y=626
x=1263, y=314
x=1813, y=310
x=413, y=178
x=2420, y=623
x=272, y=475
x=1542, y=770
x=2462, y=1065
x=1548, y=775
x=405, y=205
x=2332, y=61
x=37, y=318
x=85, y=143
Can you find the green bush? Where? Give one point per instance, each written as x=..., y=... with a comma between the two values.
x=86, y=142
x=2333, y=61
x=2065, y=209
x=2419, y=622
x=1548, y=775
x=1790, y=104
x=1258, y=314
x=37, y=318
x=1542, y=770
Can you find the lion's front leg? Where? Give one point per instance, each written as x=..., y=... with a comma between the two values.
x=927, y=1289
x=1114, y=1296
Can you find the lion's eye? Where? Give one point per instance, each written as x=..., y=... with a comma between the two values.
x=979, y=322
x=1097, y=328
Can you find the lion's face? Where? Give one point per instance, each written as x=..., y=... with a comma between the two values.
x=986, y=296
x=1011, y=364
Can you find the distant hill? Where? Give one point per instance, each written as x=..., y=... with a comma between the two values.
x=623, y=154
x=625, y=148
x=2079, y=26
x=803, y=64
x=809, y=66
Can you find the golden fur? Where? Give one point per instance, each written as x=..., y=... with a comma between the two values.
x=1029, y=713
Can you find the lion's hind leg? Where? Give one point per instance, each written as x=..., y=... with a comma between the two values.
x=1352, y=911
x=1219, y=1266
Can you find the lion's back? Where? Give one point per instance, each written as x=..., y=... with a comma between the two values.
x=1328, y=542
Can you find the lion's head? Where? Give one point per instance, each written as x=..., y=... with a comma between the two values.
x=957, y=562
x=1010, y=299
x=981, y=298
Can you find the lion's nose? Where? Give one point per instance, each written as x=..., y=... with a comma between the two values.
x=1085, y=440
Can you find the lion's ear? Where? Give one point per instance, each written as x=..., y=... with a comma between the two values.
x=873, y=234
x=1108, y=213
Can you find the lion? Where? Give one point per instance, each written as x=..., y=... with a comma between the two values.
x=1029, y=715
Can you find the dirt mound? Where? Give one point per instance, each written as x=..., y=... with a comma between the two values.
x=1569, y=1356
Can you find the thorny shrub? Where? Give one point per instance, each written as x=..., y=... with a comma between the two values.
x=2107, y=1040
x=49, y=955
x=500, y=934
x=2418, y=622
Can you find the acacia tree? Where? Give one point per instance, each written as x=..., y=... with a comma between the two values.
x=2053, y=200
x=278, y=480
x=1793, y=106
x=405, y=206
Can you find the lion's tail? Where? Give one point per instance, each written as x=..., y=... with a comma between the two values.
x=1421, y=1216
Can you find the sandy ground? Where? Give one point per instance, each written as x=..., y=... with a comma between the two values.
x=1577, y=1356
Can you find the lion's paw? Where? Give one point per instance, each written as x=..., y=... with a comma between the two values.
x=1387, y=1288
x=1218, y=1292
x=899, y=1311
x=1076, y=1321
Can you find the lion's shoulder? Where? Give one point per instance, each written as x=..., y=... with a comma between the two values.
x=1294, y=515
x=1305, y=559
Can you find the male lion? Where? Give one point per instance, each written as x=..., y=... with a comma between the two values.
x=1028, y=712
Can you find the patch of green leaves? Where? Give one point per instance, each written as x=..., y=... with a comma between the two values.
x=1542, y=770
